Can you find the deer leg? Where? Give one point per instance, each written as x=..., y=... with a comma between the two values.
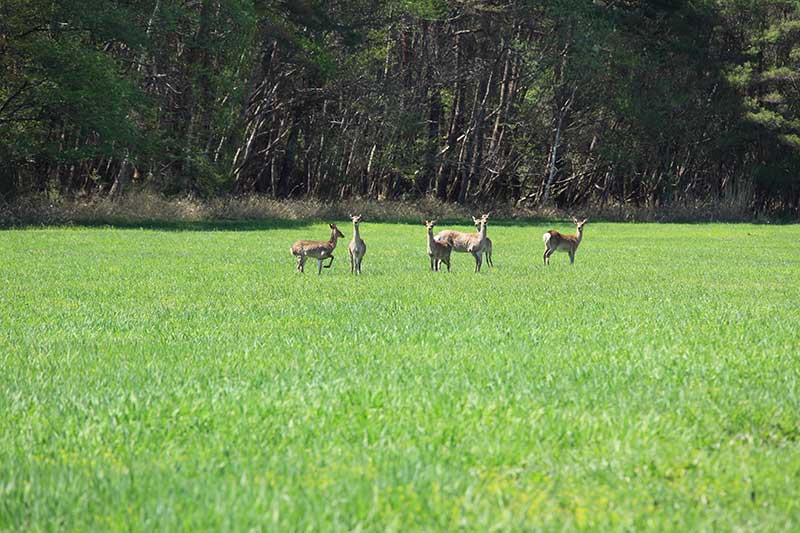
x=319, y=266
x=352, y=262
x=488, y=257
x=358, y=265
x=447, y=262
x=477, y=256
x=572, y=257
x=301, y=263
x=329, y=262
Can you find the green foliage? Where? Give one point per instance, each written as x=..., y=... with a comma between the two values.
x=208, y=180
x=424, y=9
x=791, y=139
x=59, y=79
x=768, y=119
x=739, y=76
x=768, y=80
x=102, y=106
x=785, y=29
x=165, y=380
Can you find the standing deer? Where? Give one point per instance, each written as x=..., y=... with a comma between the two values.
x=438, y=251
x=487, y=246
x=357, y=247
x=319, y=250
x=558, y=242
x=468, y=242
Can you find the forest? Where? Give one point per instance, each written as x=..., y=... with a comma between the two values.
x=654, y=103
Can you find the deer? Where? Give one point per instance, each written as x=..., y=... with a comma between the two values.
x=319, y=250
x=438, y=251
x=468, y=242
x=357, y=247
x=487, y=248
x=558, y=242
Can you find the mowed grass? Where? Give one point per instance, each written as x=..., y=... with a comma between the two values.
x=191, y=379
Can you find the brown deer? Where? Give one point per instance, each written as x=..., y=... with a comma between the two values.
x=487, y=246
x=438, y=251
x=558, y=242
x=357, y=247
x=319, y=250
x=468, y=242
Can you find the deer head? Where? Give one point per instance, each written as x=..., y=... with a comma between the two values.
x=580, y=223
x=356, y=219
x=484, y=219
x=335, y=231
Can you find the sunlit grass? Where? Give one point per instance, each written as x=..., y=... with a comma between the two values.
x=156, y=379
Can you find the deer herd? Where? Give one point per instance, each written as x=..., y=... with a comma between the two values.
x=440, y=246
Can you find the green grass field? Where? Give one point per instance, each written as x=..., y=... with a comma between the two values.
x=189, y=378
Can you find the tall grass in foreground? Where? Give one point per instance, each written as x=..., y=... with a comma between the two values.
x=156, y=379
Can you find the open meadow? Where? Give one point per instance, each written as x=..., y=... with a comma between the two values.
x=186, y=377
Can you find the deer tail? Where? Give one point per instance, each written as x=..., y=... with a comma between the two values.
x=546, y=237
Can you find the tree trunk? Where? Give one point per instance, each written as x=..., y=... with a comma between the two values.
x=428, y=174
x=456, y=121
x=287, y=168
x=122, y=179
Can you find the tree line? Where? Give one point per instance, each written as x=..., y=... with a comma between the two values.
x=562, y=102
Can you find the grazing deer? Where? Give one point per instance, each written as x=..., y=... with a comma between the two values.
x=319, y=250
x=487, y=247
x=468, y=242
x=438, y=251
x=357, y=247
x=558, y=242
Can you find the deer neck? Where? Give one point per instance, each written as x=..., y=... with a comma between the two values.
x=431, y=240
x=579, y=234
x=356, y=234
x=333, y=239
x=482, y=232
